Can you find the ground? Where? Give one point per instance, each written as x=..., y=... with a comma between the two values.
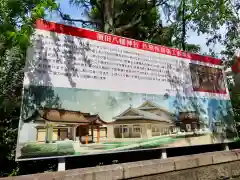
x=32, y=150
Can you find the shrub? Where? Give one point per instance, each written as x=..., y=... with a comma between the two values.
x=44, y=150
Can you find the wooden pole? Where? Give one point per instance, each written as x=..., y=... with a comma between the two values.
x=98, y=134
x=92, y=132
x=87, y=139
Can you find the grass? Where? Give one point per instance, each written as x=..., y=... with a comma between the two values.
x=156, y=144
x=145, y=143
x=134, y=142
x=113, y=145
x=118, y=143
x=34, y=150
x=159, y=143
x=190, y=135
x=79, y=153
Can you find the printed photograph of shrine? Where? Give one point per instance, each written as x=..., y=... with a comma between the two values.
x=207, y=79
x=78, y=122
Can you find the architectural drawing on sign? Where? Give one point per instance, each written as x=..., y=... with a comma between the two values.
x=146, y=121
x=60, y=125
x=144, y=124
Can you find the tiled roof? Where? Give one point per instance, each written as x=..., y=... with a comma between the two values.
x=67, y=116
x=95, y=119
x=149, y=115
x=153, y=106
x=55, y=115
x=143, y=113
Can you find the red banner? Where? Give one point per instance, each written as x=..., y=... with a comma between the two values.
x=108, y=38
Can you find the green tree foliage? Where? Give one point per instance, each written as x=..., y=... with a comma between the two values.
x=231, y=42
x=141, y=20
x=201, y=16
x=16, y=26
x=130, y=18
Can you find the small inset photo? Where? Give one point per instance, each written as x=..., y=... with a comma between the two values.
x=207, y=79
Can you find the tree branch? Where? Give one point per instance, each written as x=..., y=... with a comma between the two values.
x=129, y=25
x=235, y=9
x=154, y=32
x=81, y=4
x=67, y=18
x=136, y=20
x=161, y=2
x=118, y=14
x=95, y=3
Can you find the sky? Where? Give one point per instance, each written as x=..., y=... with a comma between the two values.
x=193, y=38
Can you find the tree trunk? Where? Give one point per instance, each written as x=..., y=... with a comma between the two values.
x=183, y=26
x=108, y=15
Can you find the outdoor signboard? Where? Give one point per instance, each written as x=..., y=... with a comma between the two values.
x=87, y=92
